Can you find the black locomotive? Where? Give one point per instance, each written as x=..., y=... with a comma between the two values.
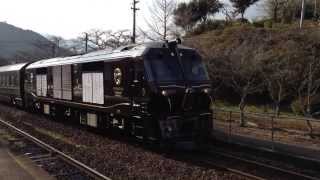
x=158, y=91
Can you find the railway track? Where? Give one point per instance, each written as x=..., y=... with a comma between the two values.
x=215, y=159
x=54, y=161
x=251, y=169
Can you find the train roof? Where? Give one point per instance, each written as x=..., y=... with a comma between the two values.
x=130, y=51
x=14, y=67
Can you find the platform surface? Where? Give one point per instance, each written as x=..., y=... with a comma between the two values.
x=15, y=167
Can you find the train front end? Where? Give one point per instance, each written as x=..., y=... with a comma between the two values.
x=181, y=100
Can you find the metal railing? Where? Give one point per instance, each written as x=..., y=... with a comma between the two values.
x=282, y=129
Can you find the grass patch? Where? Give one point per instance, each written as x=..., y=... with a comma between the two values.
x=263, y=109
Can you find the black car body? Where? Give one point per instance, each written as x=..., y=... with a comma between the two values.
x=152, y=90
x=11, y=84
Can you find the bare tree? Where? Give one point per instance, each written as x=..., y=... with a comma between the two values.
x=76, y=46
x=99, y=39
x=229, y=14
x=282, y=10
x=161, y=19
x=218, y=68
x=303, y=4
x=273, y=8
x=315, y=10
x=279, y=79
x=118, y=38
x=58, y=46
x=308, y=88
x=242, y=5
x=245, y=79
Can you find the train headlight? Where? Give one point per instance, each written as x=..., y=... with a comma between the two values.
x=164, y=93
x=37, y=105
x=207, y=90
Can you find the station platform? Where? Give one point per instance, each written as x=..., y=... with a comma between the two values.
x=16, y=167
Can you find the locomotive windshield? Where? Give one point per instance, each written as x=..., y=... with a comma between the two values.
x=193, y=67
x=165, y=66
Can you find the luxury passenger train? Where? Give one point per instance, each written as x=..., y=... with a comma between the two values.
x=158, y=91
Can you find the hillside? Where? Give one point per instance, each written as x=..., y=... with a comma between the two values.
x=243, y=42
x=242, y=57
x=18, y=45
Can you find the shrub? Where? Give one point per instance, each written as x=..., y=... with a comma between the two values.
x=296, y=107
x=209, y=25
x=268, y=23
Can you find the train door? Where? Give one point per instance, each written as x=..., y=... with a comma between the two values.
x=41, y=82
x=92, y=82
x=62, y=82
x=92, y=78
x=29, y=88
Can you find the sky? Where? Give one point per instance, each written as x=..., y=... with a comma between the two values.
x=69, y=18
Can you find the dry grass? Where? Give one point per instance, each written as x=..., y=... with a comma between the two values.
x=290, y=130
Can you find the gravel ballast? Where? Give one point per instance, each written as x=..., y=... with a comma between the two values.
x=114, y=158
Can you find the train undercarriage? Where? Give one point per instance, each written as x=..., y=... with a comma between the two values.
x=156, y=128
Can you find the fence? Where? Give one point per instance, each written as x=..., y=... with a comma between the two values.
x=282, y=129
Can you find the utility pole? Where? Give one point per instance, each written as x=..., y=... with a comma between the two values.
x=302, y=13
x=135, y=9
x=86, y=41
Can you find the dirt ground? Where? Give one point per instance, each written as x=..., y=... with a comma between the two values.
x=285, y=129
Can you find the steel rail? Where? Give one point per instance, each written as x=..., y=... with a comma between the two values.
x=89, y=171
x=232, y=170
x=264, y=165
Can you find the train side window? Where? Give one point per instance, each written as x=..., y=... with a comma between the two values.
x=10, y=81
x=28, y=78
x=77, y=82
x=50, y=82
x=15, y=80
x=7, y=80
x=14, y=84
x=31, y=78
